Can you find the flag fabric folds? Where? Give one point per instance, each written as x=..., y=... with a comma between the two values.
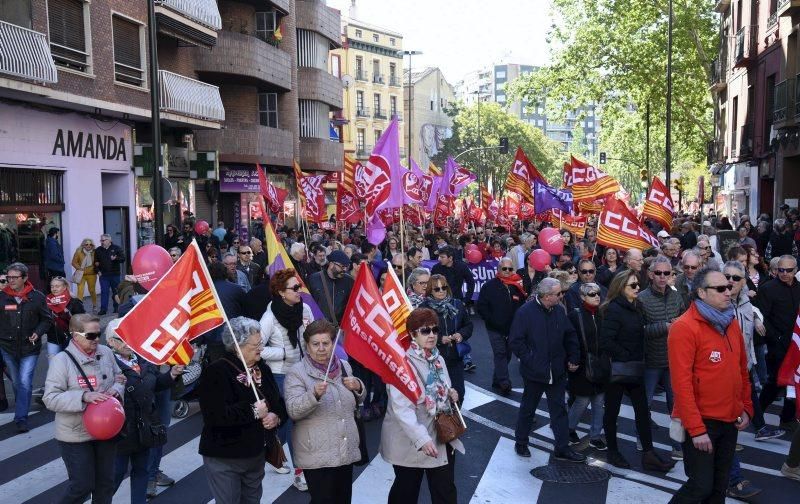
x=576, y=224
x=658, y=205
x=398, y=305
x=455, y=178
x=347, y=206
x=521, y=176
x=179, y=308
x=275, y=196
x=618, y=228
x=588, y=183
x=349, y=174
x=789, y=372
x=546, y=197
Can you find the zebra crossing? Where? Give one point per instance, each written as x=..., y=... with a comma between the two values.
x=31, y=469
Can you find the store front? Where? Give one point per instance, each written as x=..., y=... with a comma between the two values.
x=61, y=169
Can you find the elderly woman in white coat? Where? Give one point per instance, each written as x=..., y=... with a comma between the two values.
x=282, y=327
x=408, y=435
x=321, y=397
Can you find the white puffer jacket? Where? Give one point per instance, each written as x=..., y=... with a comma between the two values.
x=278, y=353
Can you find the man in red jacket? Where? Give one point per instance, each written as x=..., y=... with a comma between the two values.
x=708, y=369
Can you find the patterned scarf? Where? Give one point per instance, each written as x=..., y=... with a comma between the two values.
x=436, y=398
x=443, y=307
x=336, y=366
x=58, y=304
x=415, y=299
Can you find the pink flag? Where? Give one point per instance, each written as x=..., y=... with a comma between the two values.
x=381, y=180
x=414, y=185
x=455, y=178
x=433, y=196
x=376, y=231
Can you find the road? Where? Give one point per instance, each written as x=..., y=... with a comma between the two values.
x=491, y=472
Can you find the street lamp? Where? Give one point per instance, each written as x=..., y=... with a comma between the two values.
x=410, y=107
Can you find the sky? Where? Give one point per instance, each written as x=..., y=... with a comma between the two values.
x=462, y=36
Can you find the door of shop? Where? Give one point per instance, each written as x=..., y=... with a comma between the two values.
x=115, y=223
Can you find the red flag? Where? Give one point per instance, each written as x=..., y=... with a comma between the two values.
x=512, y=206
x=789, y=372
x=398, y=305
x=589, y=183
x=314, y=195
x=349, y=174
x=372, y=339
x=521, y=176
x=347, y=207
x=658, y=205
x=179, y=308
x=576, y=224
x=372, y=186
x=620, y=229
x=275, y=196
x=526, y=211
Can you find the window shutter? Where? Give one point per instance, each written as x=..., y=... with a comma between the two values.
x=126, y=43
x=66, y=23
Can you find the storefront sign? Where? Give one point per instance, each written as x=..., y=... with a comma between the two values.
x=482, y=272
x=30, y=137
x=238, y=180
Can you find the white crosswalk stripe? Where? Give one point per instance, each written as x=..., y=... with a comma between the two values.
x=21, y=442
x=507, y=477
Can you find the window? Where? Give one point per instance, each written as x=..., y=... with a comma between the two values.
x=361, y=140
x=128, y=65
x=265, y=25
x=433, y=103
x=268, y=109
x=392, y=72
x=378, y=134
x=336, y=65
x=16, y=12
x=393, y=105
x=375, y=37
x=359, y=102
x=500, y=74
x=590, y=124
x=501, y=98
x=377, y=102
x=392, y=41
x=358, y=33
x=360, y=75
x=68, y=34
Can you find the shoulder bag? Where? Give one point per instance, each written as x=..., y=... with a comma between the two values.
x=627, y=372
x=362, y=437
x=449, y=425
x=596, y=366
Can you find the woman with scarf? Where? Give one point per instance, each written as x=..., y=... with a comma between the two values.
x=498, y=301
x=418, y=285
x=455, y=326
x=322, y=396
x=408, y=434
x=282, y=328
x=85, y=274
x=63, y=306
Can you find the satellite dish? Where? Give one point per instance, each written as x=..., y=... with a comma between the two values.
x=347, y=80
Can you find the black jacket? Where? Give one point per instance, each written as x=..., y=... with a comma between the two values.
x=544, y=341
x=103, y=262
x=233, y=299
x=461, y=324
x=528, y=283
x=338, y=290
x=59, y=331
x=256, y=301
x=18, y=321
x=585, y=323
x=497, y=304
x=780, y=244
x=230, y=430
x=573, y=297
x=622, y=331
x=457, y=276
x=778, y=303
x=605, y=275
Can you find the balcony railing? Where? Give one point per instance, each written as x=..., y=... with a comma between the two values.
x=746, y=44
x=361, y=75
x=719, y=72
x=204, y=12
x=787, y=7
x=362, y=112
x=25, y=53
x=363, y=151
x=377, y=78
x=784, y=101
x=796, y=100
x=380, y=113
x=398, y=115
x=713, y=151
x=190, y=97
x=394, y=81
x=772, y=20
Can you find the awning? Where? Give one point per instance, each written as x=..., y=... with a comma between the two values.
x=25, y=53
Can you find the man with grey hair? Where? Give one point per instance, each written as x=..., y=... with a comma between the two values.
x=174, y=254
x=543, y=339
x=297, y=254
x=107, y=260
x=259, y=254
x=234, y=274
x=519, y=253
x=690, y=264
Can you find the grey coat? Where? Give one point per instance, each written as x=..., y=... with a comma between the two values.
x=325, y=432
x=659, y=311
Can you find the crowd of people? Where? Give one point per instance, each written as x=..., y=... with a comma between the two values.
x=707, y=324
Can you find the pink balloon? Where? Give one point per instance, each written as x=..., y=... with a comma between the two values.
x=550, y=240
x=149, y=265
x=539, y=259
x=105, y=419
x=471, y=246
x=474, y=256
x=200, y=227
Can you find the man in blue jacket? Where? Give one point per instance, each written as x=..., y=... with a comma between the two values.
x=546, y=344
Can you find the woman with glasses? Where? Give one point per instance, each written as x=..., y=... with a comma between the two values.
x=89, y=462
x=419, y=242
x=418, y=286
x=455, y=326
x=756, y=273
x=408, y=434
x=391, y=249
x=62, y=306
x=622, y=338
x=282, y=328
x=85, y=274
x=608, y=268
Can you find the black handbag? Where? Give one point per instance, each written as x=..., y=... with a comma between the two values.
x=627, y=372
x=596, y=367
x=362, y=437
x=150, y=432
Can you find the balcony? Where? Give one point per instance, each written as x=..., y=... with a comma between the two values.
x=722, y=5
x=25, y=53
x=258, y=144
x=317, y=17
x=361, y=75
x=380, y=114
x=189, y=97
x=398, y=115
x=321, y=154
x=783, y=109
x=378, y=78
x=746, y=46
x=194, y=21
x=788, y=7
x=363, y=151
x=249, y=59
x=319, y=85
x=395, y=81
x=363, y=112
x=772, y=20
x=719, y=74
x=713, y=152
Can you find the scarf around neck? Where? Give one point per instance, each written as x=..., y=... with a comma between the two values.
x=415, y=299
x=590, y=308
x=515, y=280
x=720, y=320
x=58, y=304
x=23, y=294
x=443, y=307
x=290, y=317
x=436, y=399
x=336, y=366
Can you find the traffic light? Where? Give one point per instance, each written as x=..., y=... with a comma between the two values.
x=678, y=185
x=504, y=145
x=602, y=158
x=643, y=175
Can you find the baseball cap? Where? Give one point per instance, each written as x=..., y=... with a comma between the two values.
x=663, y=234
x=340, y=257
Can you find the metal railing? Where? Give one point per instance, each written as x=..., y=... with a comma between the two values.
x=190, y=97
x=746, y=43
x=713, y=151
x=363, y=151
x=782, y=4
x=380, y=113
x=25, y=53
x=362, y=112
x=204, y=12
x=398, y=115
x=772, y=20
x=394, y=81
x=746, y=140
x=361, y=75
x=784, y=101
x=377, y=78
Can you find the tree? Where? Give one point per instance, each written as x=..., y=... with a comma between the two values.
x=578, y=143
x=495, y=123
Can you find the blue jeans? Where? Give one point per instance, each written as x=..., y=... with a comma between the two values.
x=735, y=475
x=138, y=462
x=108, y=286
x=21, y=373
x=760, y=366
x=164, y=408
x=652, y=377
x=285, y=430
x=579, y=406
x=54, y=348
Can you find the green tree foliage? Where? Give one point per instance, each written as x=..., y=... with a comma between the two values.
x=495, y=123
x=578, y=144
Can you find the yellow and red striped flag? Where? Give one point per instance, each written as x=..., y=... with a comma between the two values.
x=521, y=176
x=658, y=205
x=620, y=229
x=398, y=305
x=349, y=174
x=588, y=183
x=433, y=169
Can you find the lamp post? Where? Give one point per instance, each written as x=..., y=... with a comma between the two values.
x=410, y=106
x=155, y=125
x=477, y=93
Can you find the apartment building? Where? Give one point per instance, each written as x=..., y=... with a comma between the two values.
x=426, y=113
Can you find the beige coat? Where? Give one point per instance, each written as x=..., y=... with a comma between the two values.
x=408, y=426
x=324, y=432
x=64, y=396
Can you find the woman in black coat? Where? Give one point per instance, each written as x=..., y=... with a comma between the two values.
x=608, y=268
x=622, y=338
x=239, y=431
x=455, y=326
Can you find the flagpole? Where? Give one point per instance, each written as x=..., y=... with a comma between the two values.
x=333, y=354
x=402, y=246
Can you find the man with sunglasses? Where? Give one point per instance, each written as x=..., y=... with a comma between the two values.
x=24, y=318
x=690, y=265
x=107, y=260
x=331, y=287
x=586, y=274
x=246, y=265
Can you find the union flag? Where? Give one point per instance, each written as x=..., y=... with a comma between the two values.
x=658, y=205
x=588, y=183
x=618, y=228
x=521, y=176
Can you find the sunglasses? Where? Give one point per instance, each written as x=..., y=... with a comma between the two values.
x=592, y=294
x=780, y=270
x=2, y=280
x=439, y=289
x=91, y=336
x=397, y=266
x=706, y=248
x=686, y=266
x=246, y=253
x=173, y=255
x=587, y=272
x=506, y=269
x=634, y=285
x=719, y=288
x=295, y=287
x=735, y=278
x=425, y=331
x=662, y=273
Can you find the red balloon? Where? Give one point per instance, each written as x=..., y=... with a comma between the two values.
x=471, y=246
x=474, y=256
x=149, y=265
x=539, y=259
x=200, y=227
x=105, y=419
x=550, y=240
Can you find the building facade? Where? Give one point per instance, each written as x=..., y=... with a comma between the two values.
x=426, y=113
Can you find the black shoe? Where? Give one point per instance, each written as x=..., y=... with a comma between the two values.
x=101, y=313
x=652, y=462
x=616, y=459
x=569, y=455
x=598, y=444
x=469, y=366
x=22, y=427
x=574, y=438
x=3, y=401
x=522, y=450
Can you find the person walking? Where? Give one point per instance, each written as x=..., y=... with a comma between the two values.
x=706, y=346
x=608, y=268
x=24, y=319
x=456, y=273
x=498, y=302
x=330, y=287
x=53, y=255
x=85, y=272
x=586, y=274
x=62, y=307
x=418, y=285
x=107, y=260
x=546, y=344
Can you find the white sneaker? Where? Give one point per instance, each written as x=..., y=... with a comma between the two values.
x=300, y=482
x=791, y=472
x=281, y=470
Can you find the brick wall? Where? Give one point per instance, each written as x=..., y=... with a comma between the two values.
x=314, y=15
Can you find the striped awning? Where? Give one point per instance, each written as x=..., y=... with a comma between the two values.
x=204, y=12
x=25, y=53
x=190, y=97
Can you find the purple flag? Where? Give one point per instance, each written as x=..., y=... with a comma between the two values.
x=546, y=198
x=455, y=178
x=376, y=231
x=433, y=197
x=384, y=162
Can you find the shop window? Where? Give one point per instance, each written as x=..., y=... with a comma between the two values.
x=128, y=64
x=69, y=20
x=268, y=109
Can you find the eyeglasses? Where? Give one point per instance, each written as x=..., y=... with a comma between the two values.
x=295, y=287
x=397, y=266
x=505, y=268
x=686, y=266
x=439, y=289
x=719, y=288
x=480, y=232
x=173, y=255
x=587, y=272
x=592, y=294
x=735, y=278
x=662, y=273
x=91, y=336
x=571, y=271
x=425, y=283
x=236, y=243
x=634, y=285
x=14, y=277
x=706, y=248
x=425, y=331
x=780, y=270
x=245, y=253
